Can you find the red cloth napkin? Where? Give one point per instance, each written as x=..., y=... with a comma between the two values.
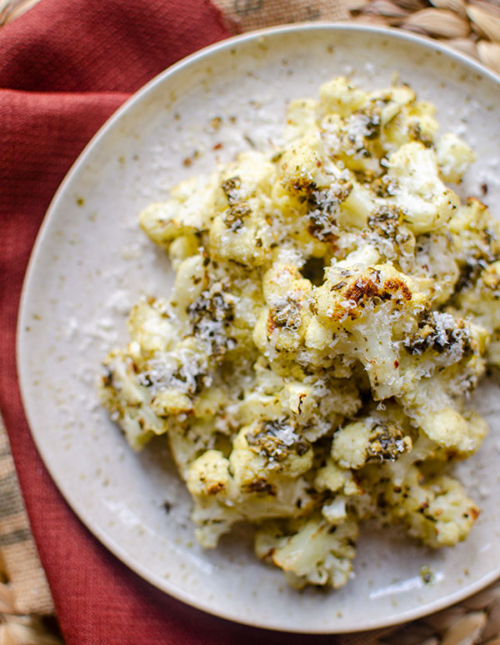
x=66, y=65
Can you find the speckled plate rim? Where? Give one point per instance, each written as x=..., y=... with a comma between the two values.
x=22, y=358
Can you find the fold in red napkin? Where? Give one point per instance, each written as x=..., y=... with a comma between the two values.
x=66, y=65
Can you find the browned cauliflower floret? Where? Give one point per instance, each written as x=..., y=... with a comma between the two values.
x=418, y=189
x=226, y=491
x=311, y=551
x=475, y=241
x=372, y=439
x=282, y=324
x=267, y=448
x=481, y=303
x=240, y=231
x=434, y=509
x=366, y=312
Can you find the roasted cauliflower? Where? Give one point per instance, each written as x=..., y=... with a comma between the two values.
x=334, y=303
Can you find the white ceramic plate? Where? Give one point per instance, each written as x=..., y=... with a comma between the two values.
x=91, y=262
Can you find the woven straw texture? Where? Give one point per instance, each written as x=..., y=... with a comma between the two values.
x=472, y=28
x=25, y=600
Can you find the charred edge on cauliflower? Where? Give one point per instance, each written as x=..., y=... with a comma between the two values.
x=368, y=290
x=260, y=485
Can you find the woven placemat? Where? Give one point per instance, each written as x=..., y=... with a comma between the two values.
x=472, y=28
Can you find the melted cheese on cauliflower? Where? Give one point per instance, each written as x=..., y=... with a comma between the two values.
x=334, y=303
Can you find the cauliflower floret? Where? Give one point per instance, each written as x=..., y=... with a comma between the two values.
x=418, y=190
x=335, y=512
x=300, y=399
x=373, y=306
x=454, y=157
x=315, y=406
x=266, y=449
x=435, y=268
x=129, y=401
x=174, y=378
x=356, y=209
x=476, y=243
x=349, y=292
x=211, y=316
x=249, y=179
x=261, y=399
x=414, y=123
x=370, y=439
x=443, y=361
x=150, y=326
x=310, y=191
x=320, y=405
x=188, y=443
x=445, y=340
x=339, y=96
x=444, y=436
x=387, y=234
x=221, y=499
x=243, y=240
x=461, y=436
x=315, y=552
x=186, y=212
x=240, y=232
x=191, y=280
x=434, y=509
x=331, y=477
x=182, y=248
x=481, y=302
x=281, y=325
x=300, y=167
x=354, y=140
x=213, y=490
x=405, y=119
x=475, y=239
x=393, y=100
x=300, y=118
